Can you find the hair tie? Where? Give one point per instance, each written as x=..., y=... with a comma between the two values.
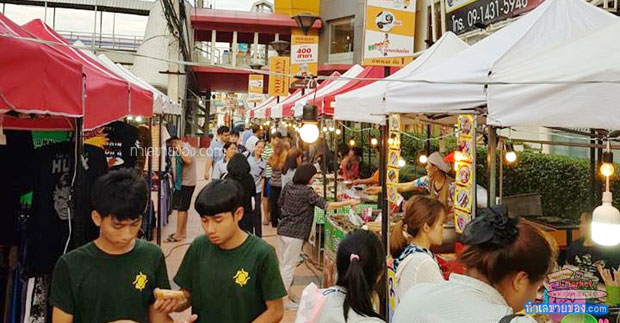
x=492, y=228
x=354, y=257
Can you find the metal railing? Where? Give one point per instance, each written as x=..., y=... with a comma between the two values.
x=224, y=57
x=610, y=5
x=111, y=41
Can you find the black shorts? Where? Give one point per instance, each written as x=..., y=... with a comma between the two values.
x=182, y=199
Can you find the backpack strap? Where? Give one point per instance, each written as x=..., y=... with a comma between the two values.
x=508, y=318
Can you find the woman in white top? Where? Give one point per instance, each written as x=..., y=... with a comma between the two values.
x=411, y=240
x=506, y=263
x=219, y=170
x=360, y=261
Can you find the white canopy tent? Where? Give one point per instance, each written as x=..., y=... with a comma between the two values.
x=251, y=113
x=366, y=104
x=329, y=88
x=577, y=99
x=276, y=110
x=458, y=84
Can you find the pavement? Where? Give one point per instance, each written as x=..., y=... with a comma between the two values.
x=174, y=252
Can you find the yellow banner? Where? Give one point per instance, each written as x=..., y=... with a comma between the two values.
x=304, y=55
x=278, y=85
x=398, y=22
x=255, y=84
x=389, y=31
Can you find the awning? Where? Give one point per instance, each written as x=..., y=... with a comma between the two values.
x=458, y=85
x=366, y=104
x=325, y=101
x=295, y=108
x=36, y=79
x=107, y=95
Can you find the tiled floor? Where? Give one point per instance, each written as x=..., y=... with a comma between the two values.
x=175, y=251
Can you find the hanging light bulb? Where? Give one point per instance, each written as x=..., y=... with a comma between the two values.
x=401, y=162
x=338, y=132
x=138, y=119
x=606, y=218
x=130, y=118
x=309, y=132
x=352, y=142
x=511, y=155
x=261, y=127
x=459, y=156
x=268, y=122
x=273, y=131
x=607, y=167
x=391, y=140
x=331, y=128
x=423, y=159
x=324, y=129
x=374, y=141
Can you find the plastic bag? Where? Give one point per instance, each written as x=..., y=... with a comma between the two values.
x=310, y=305
x=354, y=218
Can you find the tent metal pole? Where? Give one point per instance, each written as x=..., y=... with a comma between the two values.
x=385, y=217
x=492, y=165
x=593, y=195
x=149, y=155
x=160, y=182
x=78, y=193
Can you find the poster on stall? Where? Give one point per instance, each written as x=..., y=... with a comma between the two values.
x=389, y=32
x=464, y=197
x=392, y=287
x=392, y=161
x=278, y=84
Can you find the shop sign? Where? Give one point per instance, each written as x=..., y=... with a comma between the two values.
x=389, y=32
x=463, y=15
x=255, y=83
x=464, y=193
x=278, y=84
x=304, y=49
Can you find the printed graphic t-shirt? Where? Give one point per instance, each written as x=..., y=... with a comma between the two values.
x=97, y=287
x=120, y=142
x=230, y=285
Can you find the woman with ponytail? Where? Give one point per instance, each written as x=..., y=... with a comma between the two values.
x=411, y=240
x=360, y=261
x=506, y=262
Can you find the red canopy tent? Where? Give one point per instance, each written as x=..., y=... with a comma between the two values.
x=288, y=107
x=108, y=97
x=324, y=102
x=36, y=79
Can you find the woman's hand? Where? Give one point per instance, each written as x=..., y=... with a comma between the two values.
x=355, y=202
x=373, y=190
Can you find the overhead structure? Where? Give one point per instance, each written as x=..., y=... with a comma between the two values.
x=367, y=103
x=458, y=85
x=36, y=79
x=572, y=85
x=108, y=96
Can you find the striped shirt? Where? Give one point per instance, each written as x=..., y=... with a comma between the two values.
x=266, y=155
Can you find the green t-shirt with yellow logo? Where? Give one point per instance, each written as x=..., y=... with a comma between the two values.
x=230, y=285
x=97, y=287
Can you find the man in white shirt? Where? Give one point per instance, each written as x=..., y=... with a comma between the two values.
x=250, y=145
x=216, y=150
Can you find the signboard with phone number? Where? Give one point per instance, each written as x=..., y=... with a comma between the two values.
x=463, y=15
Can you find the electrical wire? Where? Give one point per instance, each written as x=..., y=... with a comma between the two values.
x=175, y=248
x=72, y=199
x=321, y=77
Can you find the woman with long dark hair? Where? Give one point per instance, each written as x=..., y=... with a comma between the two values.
x=239, y=170
x=506, y=261
x=360, y=261
x=276, y=161
x=411, y=241
x=293, y=160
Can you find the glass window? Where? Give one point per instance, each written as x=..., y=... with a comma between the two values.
x=341, y=36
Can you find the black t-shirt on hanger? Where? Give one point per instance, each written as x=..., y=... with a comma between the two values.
x=120, y=143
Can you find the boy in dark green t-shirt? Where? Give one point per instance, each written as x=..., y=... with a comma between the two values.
x=228, y=275
x=113, y=277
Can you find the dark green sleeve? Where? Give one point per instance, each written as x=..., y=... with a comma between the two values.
x=183, y=277
x=62, y=293
x=162, y=273
x=271, y=283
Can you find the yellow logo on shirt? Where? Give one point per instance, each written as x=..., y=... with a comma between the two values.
x=140, y=281
x=242, y=277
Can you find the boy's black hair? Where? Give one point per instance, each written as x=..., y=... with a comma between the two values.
x=235, y=133
x=219, y=196
x=121, y=194
x=222, y=130
x=304, y=174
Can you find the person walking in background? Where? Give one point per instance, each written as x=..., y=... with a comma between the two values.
x=234, y=138
x=220, y=169
x=184, y=185
x=216, y=150
x=293, y=160
x=257, y=134
x=228, y=275
x=411, y=241
x=360, y=261
x=257, y=170
x=276, y=161
x=239, y=170
x=297, y=205
x=350, y=165
x=275, y=139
